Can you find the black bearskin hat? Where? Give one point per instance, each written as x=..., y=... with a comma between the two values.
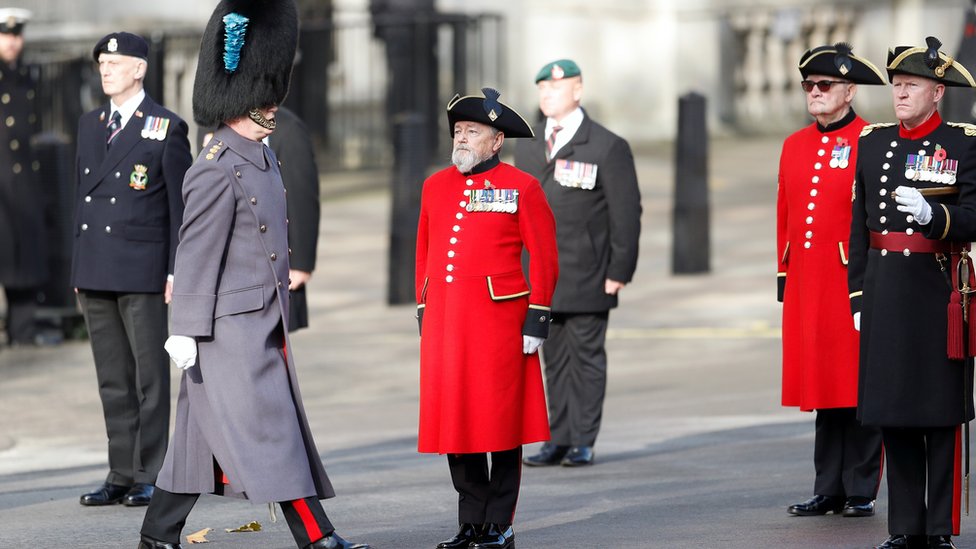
x=246, y=57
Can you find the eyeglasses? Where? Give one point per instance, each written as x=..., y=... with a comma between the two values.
x=822, y=85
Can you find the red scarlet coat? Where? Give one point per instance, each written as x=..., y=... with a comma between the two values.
x=820, y=344
x=478, y=392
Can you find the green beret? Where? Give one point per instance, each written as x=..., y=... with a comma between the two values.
x=557, y=70
x=929, y=62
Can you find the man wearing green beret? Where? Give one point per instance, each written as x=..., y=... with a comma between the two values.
x=588, y=175
x=909, y=277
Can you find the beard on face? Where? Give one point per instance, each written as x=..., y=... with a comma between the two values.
x=465, y=159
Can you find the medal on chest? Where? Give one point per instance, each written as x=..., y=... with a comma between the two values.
x=935, y=168
x=491, y=199
x=840, y=157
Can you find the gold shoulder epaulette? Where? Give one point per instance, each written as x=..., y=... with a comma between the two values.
x=969, y=129
x=871, y=127
x=212, y=153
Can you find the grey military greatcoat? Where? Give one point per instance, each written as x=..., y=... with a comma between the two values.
x=240, y=405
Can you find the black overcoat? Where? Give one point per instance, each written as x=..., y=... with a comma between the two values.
x=906, y=378
x=597, y=228
x=292, y=144
x=22, y=233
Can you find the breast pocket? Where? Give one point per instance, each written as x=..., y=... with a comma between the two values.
x=238, y=301
x=507, y=286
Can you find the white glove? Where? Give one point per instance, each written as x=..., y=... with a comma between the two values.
x=911, y=201
x=531, y=344
x=857, y=321
x=183, y=351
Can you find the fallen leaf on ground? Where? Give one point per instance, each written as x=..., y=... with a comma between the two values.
x=199, y=536
x=253, y=526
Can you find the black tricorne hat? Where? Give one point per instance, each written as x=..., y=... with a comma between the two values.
x=246, y=57
x=487, y=109
x=122, y=43
x=838, y=61
x=929, y=62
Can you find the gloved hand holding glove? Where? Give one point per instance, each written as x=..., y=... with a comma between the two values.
x=183, y=351
x=910, y=200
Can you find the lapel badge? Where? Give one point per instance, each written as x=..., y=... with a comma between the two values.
x=488, y=184
x=139, y=178
x=101, y=117
x=139, y=114
x=113, y=45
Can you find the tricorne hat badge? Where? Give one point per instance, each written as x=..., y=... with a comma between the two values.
x=492, y=115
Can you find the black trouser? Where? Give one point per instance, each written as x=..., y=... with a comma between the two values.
x=576, y=376
x=21, y=306
x=846, y=455
x=167, y=514
x=482, y=497
x=127, y=333
x=917, y=455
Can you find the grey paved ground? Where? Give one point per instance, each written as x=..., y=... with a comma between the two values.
x=695, y=450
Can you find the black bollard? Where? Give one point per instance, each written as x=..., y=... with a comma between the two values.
x=690, y=250
x=411, y=151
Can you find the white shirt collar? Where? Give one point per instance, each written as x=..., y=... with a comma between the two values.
x=570, y=124
x=127, y=109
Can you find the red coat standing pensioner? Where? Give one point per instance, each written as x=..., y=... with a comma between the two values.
x=481, y=324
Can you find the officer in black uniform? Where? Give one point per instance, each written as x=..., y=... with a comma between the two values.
x=590, y=181
x=914, y=215
x=132, y=154
x=22, y=257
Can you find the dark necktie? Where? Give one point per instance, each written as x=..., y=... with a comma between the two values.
x=552, y=141
x=113, y=128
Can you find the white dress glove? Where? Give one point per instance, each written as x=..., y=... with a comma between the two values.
x=183, y=351
x=531, y=344
x=911, y=201
x=857, y=321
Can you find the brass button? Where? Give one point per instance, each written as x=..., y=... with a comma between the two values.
x=10, y=121
x=5, y=98
x=254, y=200
x=118, y=175
x=84, y=226
x=111, y=200
x=263, y=228
x=274, y=256
x=14, y=144
x=542, y=319
x=238, y=174
x=108, y=229
x=87, y=171
x=17, y=167
x=87, y=199
x=289, y=253
x=279, y=283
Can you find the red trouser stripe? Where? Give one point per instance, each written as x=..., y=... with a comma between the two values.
x=311, y=526
x=957, y=484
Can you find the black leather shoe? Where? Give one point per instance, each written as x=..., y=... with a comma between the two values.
x=941, y=542
x=901, y=541
x=549, y=454
x=334, y=541
x=138, y=495
x=858, y=507
x=578, y=456
x=149, y=543
x=496, y=536
x=106, y=494
x=817, y=505
x=466, y=534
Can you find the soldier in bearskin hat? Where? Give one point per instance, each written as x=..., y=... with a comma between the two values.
x=816, y=170
x=909, y=277
x=241, y=427
x=481, y=324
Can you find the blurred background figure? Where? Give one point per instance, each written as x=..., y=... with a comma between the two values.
x=22, y=233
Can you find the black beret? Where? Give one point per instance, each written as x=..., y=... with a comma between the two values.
x=246, y=57
x=122, y=43
x=929, y=62
x=838, y=61
x=486, y=109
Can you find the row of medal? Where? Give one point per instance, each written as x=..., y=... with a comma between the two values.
x=492, y=200
x=920, y=167
x=155, y=128
x=840, y=157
